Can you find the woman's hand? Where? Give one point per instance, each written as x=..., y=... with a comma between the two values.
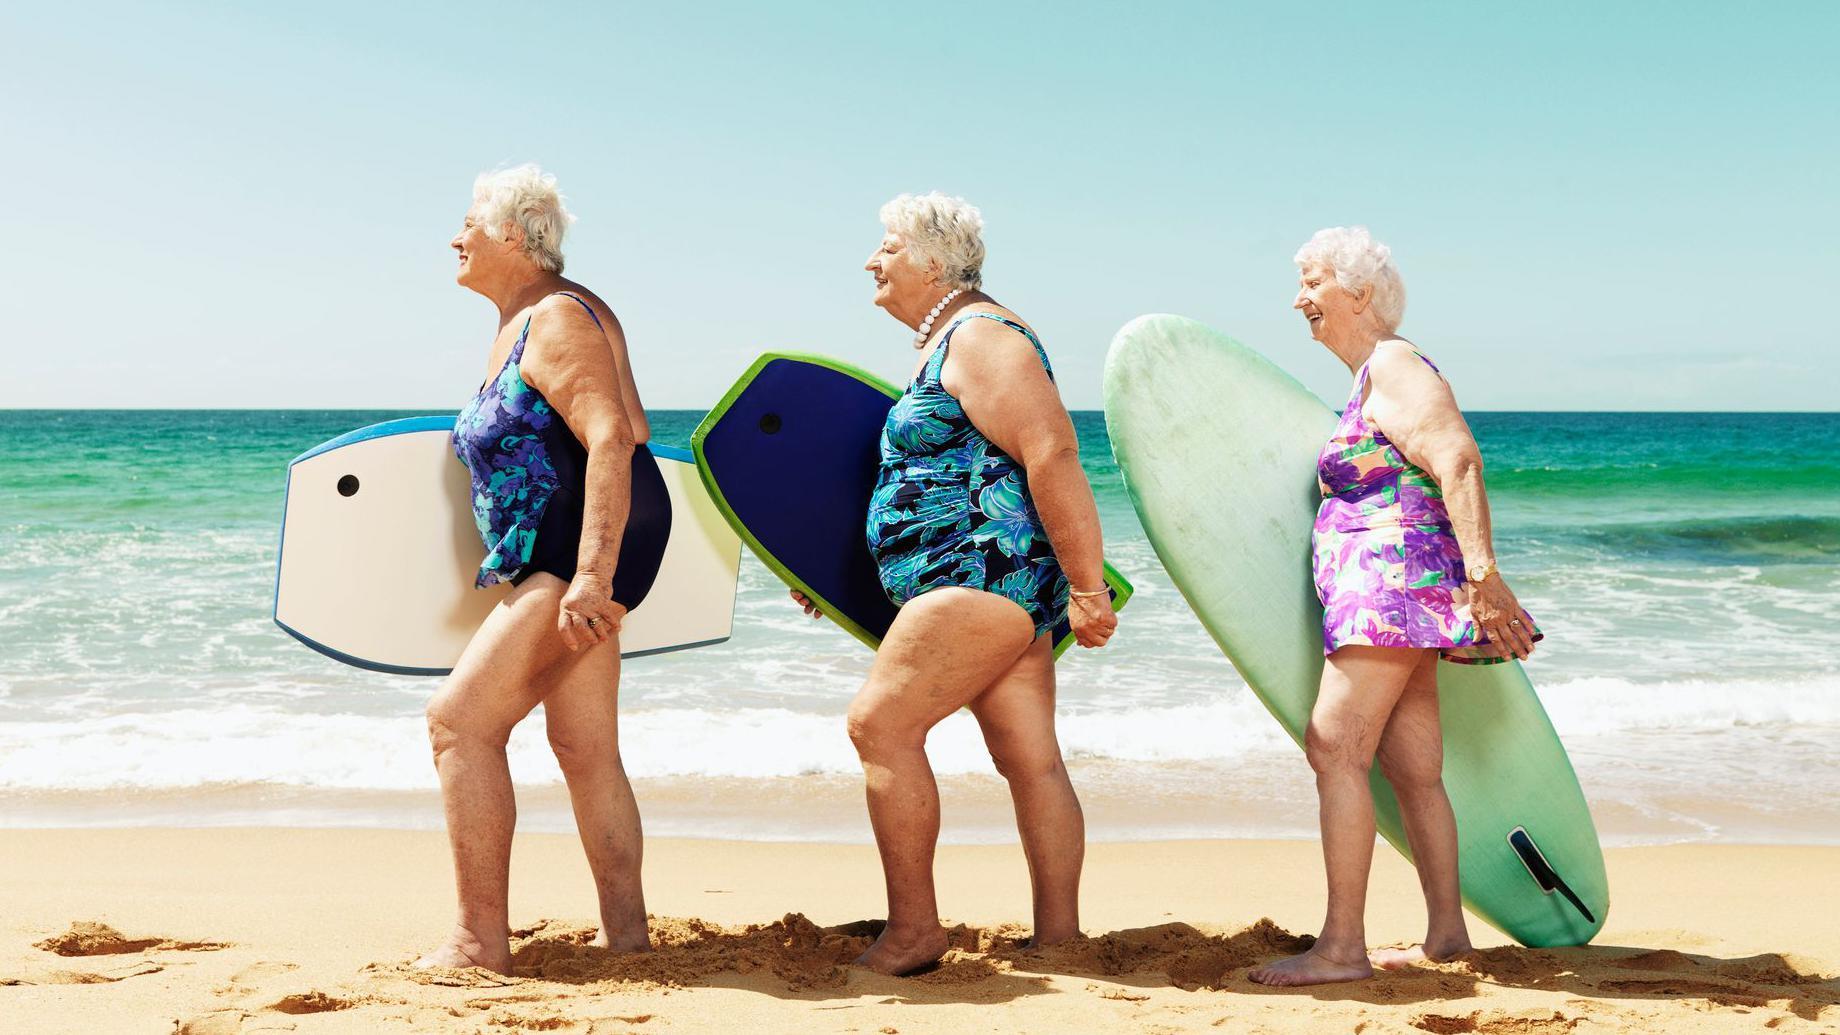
x=1092, y=618
x=588, y=615
x=1498, y=614
x=805, y=602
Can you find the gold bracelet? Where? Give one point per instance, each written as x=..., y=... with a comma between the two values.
x=1103, y=591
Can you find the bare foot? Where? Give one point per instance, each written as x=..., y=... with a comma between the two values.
x=1399, y=957
x=1048, y=941
x=463, y=950
x=637, y=941
x=898, y=953
x=1312, y=968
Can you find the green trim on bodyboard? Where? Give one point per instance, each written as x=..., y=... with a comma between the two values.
x=1218, y=449
x=1121, y=586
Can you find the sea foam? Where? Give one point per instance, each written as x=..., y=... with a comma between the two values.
x=271, y=744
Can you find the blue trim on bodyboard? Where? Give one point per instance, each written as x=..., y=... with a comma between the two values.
x=400, y=426
x=404, y=670
x=408, y=426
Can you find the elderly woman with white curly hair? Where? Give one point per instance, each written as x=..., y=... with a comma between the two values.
x=985, y=533
x=574, y=515
x=1404, y=562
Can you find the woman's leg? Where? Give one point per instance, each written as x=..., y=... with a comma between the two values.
x=582, y=715
x=1412, y=758
x=944, y=649
x=1017, y=717
x=495, y=684
x=1360, y=686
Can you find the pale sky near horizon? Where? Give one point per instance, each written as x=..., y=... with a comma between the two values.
x=1626, y=206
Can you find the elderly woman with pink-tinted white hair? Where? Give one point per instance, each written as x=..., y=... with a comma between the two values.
x=1404, y=562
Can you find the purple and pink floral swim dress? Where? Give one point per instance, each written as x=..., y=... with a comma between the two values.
x=1386, y=562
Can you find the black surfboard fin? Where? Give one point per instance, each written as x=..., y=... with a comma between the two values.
x=1542, y=871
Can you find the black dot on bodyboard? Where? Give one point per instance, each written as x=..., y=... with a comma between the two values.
x=770, y=423
x=348, y=485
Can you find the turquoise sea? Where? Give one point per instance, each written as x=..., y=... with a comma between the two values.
x=1686, y=568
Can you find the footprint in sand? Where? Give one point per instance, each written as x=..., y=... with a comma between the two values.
x=549, y=1021
x=249, y=979
x=311, y=1001
x=1494, y=1022
x=91, y=938
x=1657, y=959
x=222, y=1022
x=85, y=977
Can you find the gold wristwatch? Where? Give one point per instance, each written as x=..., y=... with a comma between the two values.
x=1480, y=572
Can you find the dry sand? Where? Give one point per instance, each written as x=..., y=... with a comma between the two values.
x=221, y=931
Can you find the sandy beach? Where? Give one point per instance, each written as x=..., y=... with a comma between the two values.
x=254, y=245
x=247, y=930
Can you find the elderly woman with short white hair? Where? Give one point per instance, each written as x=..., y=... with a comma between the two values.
x=1404, y=563
x=574, y=515
x=984, y=530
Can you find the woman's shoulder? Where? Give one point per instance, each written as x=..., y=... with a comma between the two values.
x=575, y=300
x=573, y=313
x=990, y=322
x=992, y=351
x=1397, y=356
x=1398, y=366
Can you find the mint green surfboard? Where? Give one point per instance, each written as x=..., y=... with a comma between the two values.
x=1218, y=448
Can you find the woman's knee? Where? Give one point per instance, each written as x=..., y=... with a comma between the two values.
x=1029, y=767
x=1411, y=770
x=1334, y=748
x=1026, y=759
x=452, y=724
x=583, y=755
x=874, y=726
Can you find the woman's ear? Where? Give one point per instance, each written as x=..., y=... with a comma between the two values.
x=1363, y=298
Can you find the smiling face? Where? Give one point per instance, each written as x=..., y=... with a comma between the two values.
x=903, y=285
x=1332, y=311
x=481, y=257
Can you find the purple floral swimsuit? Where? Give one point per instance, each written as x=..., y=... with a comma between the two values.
x=1387, y=566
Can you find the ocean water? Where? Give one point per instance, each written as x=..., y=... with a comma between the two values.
x=1686, y=568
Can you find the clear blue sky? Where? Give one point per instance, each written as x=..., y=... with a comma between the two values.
x=1595, y=206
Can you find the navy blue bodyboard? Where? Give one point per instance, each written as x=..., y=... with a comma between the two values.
x=790, y=456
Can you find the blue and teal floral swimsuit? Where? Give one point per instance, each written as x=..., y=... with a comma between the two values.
x=952, y=509
x=529, y=474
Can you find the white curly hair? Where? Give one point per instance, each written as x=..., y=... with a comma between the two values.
x=943, y=229
x=1359, y=261
x=527, y=196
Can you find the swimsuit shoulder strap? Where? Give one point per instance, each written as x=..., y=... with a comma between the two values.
x=584, y=305
x=1040, y=353
x=1360, y=381
x=517, y=350
x=1414, y=350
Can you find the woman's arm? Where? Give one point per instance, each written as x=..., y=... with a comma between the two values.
x=1417, y=412
x=998, y=379
x=568, y=360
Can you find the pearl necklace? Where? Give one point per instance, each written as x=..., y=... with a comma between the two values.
x=926, y=326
